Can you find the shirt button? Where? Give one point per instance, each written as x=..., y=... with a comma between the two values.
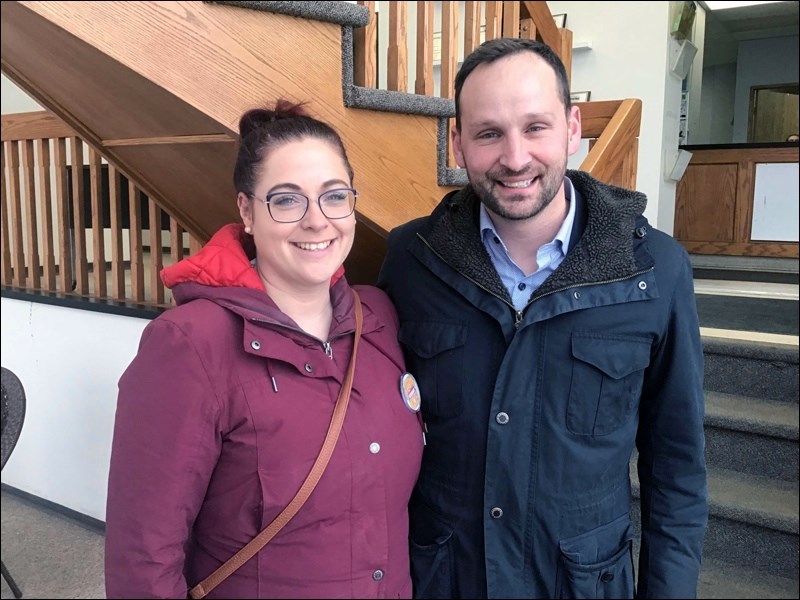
x=496, y=512
x=377, y=575
x=502, y=418
x=607, y=577
x=374, y=447
x=496, y=240
x=521, y=287
x=308, y=368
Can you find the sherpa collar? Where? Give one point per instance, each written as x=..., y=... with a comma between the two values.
x=603, y=251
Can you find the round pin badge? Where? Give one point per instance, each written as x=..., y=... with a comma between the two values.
x=410, y=392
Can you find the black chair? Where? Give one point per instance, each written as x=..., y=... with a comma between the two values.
x=13, y=417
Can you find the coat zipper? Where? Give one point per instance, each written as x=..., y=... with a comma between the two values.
x=520, y=314
x=326, y=346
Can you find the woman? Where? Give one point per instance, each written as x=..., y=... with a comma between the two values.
x=224, y=410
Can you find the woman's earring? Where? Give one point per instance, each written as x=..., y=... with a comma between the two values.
x=248, y=229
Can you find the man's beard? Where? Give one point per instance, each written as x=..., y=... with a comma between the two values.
x=519, y=207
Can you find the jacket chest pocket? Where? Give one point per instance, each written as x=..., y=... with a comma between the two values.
x=435, y=357
x=607, y=375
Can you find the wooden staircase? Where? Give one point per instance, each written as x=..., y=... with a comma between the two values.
x=158, y=87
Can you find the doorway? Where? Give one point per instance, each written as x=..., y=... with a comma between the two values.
x=773, y=113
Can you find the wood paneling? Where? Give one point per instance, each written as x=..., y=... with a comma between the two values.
x=709, y=213
x=714, y=202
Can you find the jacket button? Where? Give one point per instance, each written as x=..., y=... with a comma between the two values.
x=255, y=345
x=377, y=575
x=308, y=368
x=496, y=512
x=642, y=285
x=577, y=295
x=501, y=418
x=607, y=577
x=374, y=447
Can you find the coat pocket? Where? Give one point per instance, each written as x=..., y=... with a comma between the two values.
x=435, y=356
x=607, y=376
x=598, y=564
x=431, y=555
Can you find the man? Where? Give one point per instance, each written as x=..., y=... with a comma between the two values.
x=552, y=331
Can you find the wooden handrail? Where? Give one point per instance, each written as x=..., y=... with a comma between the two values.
x=545, y=26
x=621, y=133
x=34, y=126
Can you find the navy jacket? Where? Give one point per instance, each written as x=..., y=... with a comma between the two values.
x=535, y=416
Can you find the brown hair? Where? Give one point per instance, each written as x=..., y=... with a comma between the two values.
x=261, y=130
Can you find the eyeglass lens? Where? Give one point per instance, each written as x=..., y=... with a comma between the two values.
x=286, y=207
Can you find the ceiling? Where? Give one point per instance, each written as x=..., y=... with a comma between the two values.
x=726, y=28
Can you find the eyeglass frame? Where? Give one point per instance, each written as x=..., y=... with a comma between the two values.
x=267, y=202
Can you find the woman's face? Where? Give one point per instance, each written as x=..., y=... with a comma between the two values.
x=301, y=255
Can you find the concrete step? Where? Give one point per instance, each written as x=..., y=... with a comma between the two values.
x=751, y=368
x=752, y=436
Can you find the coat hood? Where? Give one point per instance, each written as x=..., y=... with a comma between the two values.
x=225, y=261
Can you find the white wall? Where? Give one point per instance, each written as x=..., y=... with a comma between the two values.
x=628, y=59
x=69, y=362
x=716, y=110
x=14, y=100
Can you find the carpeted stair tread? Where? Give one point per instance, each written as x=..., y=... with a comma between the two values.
x=753, y=415
x=721, y=580
x=760, y=501
x=757, y=500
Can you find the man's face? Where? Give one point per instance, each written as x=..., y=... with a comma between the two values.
x=515, y=135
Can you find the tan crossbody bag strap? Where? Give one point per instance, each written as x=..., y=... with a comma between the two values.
x=261, y=540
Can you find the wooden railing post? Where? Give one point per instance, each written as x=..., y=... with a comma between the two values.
x=98, y=230
x=31, y=222
x=397, y=63
x=62, y=215
x=511, y=19
x=115, y=222
x=423, y=84
x=6, y=261
x=79, y=218
x=472, y=26
x=365, y=51
x=46, y=212
x=449, y=52
x=15, y=204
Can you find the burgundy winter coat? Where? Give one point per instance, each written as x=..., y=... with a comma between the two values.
x=219, y=419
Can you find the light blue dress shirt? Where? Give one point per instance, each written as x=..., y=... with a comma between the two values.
x=548, y=257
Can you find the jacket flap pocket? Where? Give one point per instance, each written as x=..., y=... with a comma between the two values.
x=429, y=338
x=616, y=356
x=598, y=546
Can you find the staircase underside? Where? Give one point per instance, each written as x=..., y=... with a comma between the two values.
x=158, y=88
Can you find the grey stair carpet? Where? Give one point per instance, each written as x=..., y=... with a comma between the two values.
x=764, y=315
x=732, y=275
